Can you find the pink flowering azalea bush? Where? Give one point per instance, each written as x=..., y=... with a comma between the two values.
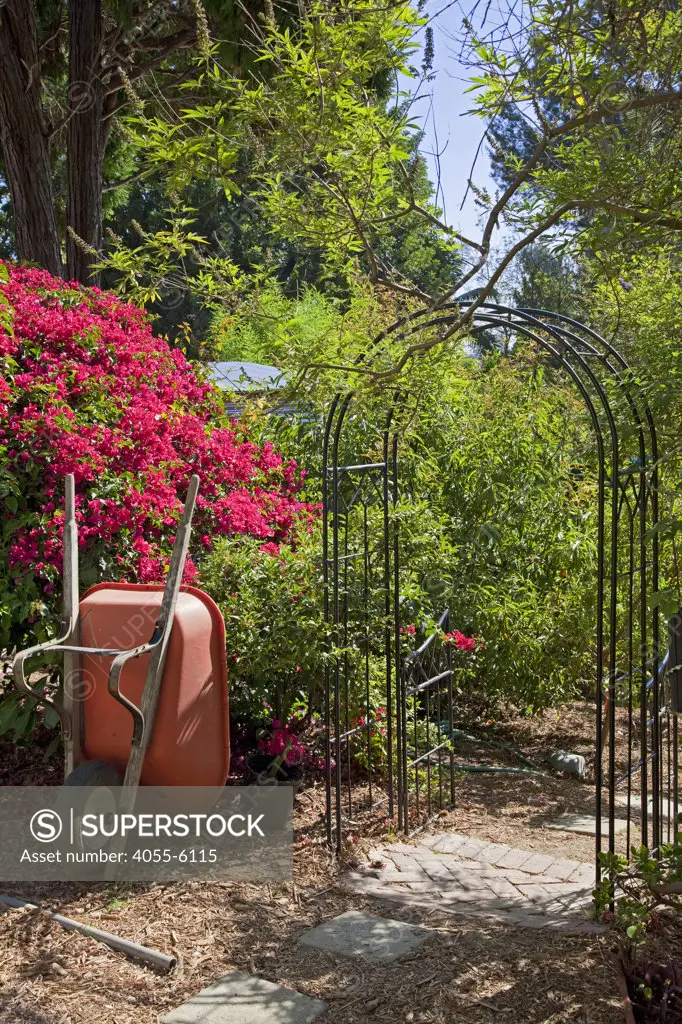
x=86, y=388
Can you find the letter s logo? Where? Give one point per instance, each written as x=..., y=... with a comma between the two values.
x=46, y=826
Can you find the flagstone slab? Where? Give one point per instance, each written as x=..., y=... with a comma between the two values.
x=365, y=935
x=586, y=824
x=239, y=998
x=667, y=808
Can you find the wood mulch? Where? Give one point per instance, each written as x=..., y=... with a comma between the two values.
x=473, y=972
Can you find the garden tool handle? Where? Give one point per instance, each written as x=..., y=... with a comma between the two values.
x=73, y=744
x=23, y=687
x=144, y=716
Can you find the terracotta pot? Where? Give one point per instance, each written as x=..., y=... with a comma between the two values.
x=623, y=986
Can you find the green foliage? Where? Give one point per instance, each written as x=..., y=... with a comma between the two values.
x=271, y=328
x=583, y=113
x=498, y=454
x=636, y=301
x=144, y=60
x=307, y=145
x=497, y=510
x=642, y=886
x=6, y=312
x=543, y=280
x=271, y=600
x=512, y=133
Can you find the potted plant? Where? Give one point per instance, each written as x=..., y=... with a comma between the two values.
x=280, y=758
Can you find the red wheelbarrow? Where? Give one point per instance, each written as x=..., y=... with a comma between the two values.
x=144, y=698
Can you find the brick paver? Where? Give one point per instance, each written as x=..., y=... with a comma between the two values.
x=456, y=874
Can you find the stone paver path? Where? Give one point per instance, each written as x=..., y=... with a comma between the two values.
x=456, y=874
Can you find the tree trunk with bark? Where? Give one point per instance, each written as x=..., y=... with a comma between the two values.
x=24, y=140
x=87, y=133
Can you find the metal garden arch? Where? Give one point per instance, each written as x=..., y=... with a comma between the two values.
x=361, y=487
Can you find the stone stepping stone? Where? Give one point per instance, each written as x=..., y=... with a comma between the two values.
x=668, y=811
x=373, y=938
x=586, y=824
x=242, y=999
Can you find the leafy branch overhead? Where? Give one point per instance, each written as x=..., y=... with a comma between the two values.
x=599, y=95
x=320, y=126
x=335, y=167
x=69, y=71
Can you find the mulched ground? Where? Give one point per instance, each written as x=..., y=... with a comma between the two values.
x=516, y=809
x=473, y=972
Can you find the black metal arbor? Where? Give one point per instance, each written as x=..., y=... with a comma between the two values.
x=362, y=604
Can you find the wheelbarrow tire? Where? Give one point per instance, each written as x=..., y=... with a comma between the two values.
x=93, y=773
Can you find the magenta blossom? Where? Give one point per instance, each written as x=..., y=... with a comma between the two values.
x=86, y=388
x=460, y=641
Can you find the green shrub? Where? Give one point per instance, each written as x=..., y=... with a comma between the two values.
x=497, y=504
x=271, y=598
x=641, y=886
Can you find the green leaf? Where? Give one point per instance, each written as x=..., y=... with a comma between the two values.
x=50, y=717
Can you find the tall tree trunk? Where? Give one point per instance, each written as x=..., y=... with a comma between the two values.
x=86, y=138
x=23, y=138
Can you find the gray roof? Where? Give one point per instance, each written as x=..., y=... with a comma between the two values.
x=240, y=376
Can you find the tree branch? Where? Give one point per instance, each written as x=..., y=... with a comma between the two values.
x=168, y=45
x=125, y=181
x=600, y=113
x=421, y=347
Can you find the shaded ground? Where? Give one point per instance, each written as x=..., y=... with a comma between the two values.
x=473, y=972
x=515, y=809
x=31, y=765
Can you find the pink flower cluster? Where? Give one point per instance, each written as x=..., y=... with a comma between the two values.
x=86, y=388
x=460, y=641
x=284, y=742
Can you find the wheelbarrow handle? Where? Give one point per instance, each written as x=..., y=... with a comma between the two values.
x=145, y=717
x=120, y=659
x=115, y=684
x=23, y=687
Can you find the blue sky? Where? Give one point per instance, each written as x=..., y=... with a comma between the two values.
x=441, y=110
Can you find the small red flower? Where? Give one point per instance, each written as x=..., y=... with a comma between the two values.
x=460, y=641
